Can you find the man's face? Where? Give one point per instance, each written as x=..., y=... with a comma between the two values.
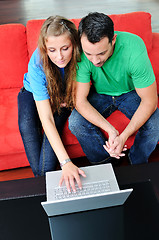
x=99, y=52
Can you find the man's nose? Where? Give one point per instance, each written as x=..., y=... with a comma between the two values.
x=95, y=60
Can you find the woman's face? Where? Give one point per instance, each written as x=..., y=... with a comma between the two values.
x=59, y=49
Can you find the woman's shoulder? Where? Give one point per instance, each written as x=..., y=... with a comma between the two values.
x=35, y=58
x=35, y=63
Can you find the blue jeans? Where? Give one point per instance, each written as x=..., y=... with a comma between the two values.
x=92, y=139
x=37, y=147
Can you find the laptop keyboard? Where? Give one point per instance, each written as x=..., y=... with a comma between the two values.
x=87, y=189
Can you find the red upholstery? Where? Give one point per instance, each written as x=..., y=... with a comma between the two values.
x=154, y=56
x=33, y=29
x=17, y=44
x=14, y=55
x=138, y=23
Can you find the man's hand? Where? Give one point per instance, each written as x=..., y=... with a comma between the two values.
x=116, y=147
x=113, y=133
x=70, y=174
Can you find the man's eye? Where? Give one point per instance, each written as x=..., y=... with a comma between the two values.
x=103, y=53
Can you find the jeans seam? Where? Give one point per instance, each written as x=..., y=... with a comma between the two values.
x=123, y=110
x=43, y=152
x=129, y=158
x=110, y=111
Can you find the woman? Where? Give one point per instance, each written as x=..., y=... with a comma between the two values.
x=46, y=99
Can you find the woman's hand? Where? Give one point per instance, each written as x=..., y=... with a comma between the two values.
x=70, y=174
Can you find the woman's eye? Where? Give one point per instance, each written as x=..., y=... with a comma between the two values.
x=51, y=50
x=65, y=49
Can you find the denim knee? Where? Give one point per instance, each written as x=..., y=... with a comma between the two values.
x=73, y=121
x=77, y=122
x=23, y=127
x=152, y=123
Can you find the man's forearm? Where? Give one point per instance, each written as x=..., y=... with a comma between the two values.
x=93, y=116
x=142, y=114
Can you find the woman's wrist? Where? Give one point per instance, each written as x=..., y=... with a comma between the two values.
x=64, y=162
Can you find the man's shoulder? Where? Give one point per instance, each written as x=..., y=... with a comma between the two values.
x=84, y=61
x=128, y=37
x=130, y=42
x=83, y=57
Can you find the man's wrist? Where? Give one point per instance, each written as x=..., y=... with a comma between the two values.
x=64, y=162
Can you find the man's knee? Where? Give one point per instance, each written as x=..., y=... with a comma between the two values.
x=73, y=120
x=153, y=122
x=77, y=123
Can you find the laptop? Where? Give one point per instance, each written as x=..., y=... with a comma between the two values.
x=99, y=190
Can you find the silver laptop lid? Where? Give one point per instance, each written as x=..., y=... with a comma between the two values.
x=94, y=174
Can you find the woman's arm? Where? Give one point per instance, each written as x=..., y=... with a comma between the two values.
x=69, y=170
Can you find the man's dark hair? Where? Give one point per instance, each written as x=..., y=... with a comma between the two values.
x=96, y=26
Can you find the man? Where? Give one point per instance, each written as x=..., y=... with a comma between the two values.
x=122, y=78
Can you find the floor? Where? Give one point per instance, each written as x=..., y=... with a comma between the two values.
x=20, y=11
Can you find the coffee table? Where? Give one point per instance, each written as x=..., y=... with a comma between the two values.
x=22, y=216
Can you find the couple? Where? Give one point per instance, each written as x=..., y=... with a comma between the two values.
x=58, y=79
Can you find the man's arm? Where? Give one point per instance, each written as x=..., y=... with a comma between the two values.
x=90, y=113
x=148, y=105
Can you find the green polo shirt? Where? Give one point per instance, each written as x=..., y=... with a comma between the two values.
x=128, y=68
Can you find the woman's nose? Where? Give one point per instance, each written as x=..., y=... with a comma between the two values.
x=59, y=55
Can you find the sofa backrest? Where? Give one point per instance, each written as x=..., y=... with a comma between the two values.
x=138, y=23
x=13, y=64
x=13, y=55
x=33, y=30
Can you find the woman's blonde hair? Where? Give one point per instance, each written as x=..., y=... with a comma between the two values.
x=56, y=26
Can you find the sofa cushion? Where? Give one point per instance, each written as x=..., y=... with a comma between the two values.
x=138, y=23
x=13, y=55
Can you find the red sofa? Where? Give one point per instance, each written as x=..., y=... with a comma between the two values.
x=17, y=44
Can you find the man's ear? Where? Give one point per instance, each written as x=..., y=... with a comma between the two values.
x=114, y=39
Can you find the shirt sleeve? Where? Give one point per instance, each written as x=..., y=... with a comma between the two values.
x=37, y=79
x=83, y=70
x=141, y=69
